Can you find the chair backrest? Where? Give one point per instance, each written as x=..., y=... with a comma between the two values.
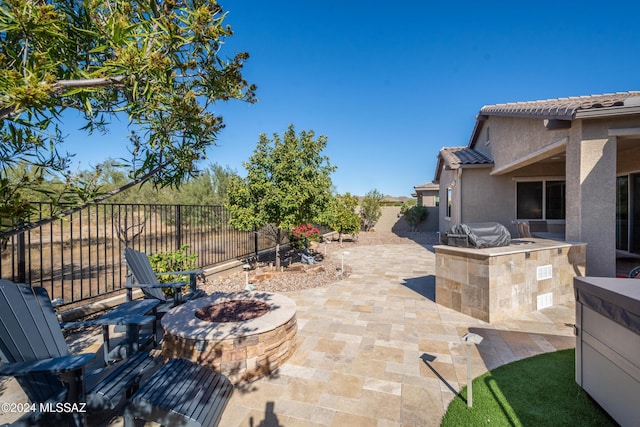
x=537, y=226
x=29, y=330
x=140, y=267
x=523, y=229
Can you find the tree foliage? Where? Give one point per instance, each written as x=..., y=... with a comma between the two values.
x=288, y=183
x=209, y=187
x=371, y=208
x=156, y=63
x=341, y=215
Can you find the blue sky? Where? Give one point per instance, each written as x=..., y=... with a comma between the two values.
x=390, y=83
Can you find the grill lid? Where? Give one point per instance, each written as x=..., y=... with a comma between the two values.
x=479, y=235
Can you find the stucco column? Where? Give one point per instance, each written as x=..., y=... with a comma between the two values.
x=591, y=199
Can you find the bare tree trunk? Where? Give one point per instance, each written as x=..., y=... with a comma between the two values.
x=278, y=237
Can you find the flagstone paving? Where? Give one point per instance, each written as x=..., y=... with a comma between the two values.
x=375, y=349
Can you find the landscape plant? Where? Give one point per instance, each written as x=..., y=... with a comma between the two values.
x=371, y=209
x=178, y=260
x=406, y=205
x=303, y=234
x=288, y=183
x=415, y=215
x=155, y=65
x=341, y=215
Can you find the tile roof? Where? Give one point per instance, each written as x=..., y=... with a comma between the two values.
x=459, y=156
x=427, y=186
x=560, y=108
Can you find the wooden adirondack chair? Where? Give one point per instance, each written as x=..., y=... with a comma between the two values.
x=146, y=279
x=33, y=350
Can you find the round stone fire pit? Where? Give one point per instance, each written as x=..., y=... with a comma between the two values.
x=244, y=335
x=232, y=311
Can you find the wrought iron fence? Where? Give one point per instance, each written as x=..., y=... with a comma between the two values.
x=79, y=257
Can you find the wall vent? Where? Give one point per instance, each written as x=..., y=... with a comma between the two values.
x=544, y=301
x=544, y=272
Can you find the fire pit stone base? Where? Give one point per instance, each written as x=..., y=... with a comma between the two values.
x=245, y=350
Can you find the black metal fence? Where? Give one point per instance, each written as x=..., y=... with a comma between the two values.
x=79, y=257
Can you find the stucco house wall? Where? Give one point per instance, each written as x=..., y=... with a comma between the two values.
x=448, y=180
x=512, y=138
x=485, y=197
x=429, y=198
x=587, y=141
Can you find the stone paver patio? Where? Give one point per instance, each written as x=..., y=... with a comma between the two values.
x=376, y=350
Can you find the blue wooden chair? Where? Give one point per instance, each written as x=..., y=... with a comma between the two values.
x=181, y=393
x=147, y=281
x=33, y=350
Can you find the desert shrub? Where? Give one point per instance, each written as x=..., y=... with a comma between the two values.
x=408, y=205
x=179, y=260
x=415, y=215
x=303, y=234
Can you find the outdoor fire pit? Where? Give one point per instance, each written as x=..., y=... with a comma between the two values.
x=232, y=311
x=244, y=335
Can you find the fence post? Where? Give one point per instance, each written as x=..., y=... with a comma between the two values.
x=255, y=240
x=22, y=258
x=178, y=226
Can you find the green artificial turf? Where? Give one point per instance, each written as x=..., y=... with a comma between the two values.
x=538, y=391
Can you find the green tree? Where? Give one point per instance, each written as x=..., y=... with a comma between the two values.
x=288, y=183
x=157, y=63
x=208, y=188
x=371, y=208
x=341, y=215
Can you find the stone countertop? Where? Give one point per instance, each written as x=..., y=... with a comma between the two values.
x=528, y=244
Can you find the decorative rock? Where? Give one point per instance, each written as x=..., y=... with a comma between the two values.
x=315, y=269
x=296, y=266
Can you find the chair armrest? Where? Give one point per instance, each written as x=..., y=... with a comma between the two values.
x=54, y=365
x=181, y=273
x=69, y=325
x=156, y=285
x=125, y=319
x=192, y=276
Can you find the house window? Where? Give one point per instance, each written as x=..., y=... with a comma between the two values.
x=437, y=200
x=448, y=203
x=555, y=200
x=540, y=200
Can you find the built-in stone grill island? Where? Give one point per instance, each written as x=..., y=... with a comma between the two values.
x=495, y=283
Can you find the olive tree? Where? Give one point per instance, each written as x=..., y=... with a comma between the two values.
x=288, y=183
x=156, y=65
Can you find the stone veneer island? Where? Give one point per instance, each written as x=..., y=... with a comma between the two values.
x=492, y=284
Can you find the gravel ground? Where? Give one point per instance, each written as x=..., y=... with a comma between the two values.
x=291, y=281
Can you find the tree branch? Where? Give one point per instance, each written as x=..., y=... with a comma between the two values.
x=86, y=83
x=62, y=85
